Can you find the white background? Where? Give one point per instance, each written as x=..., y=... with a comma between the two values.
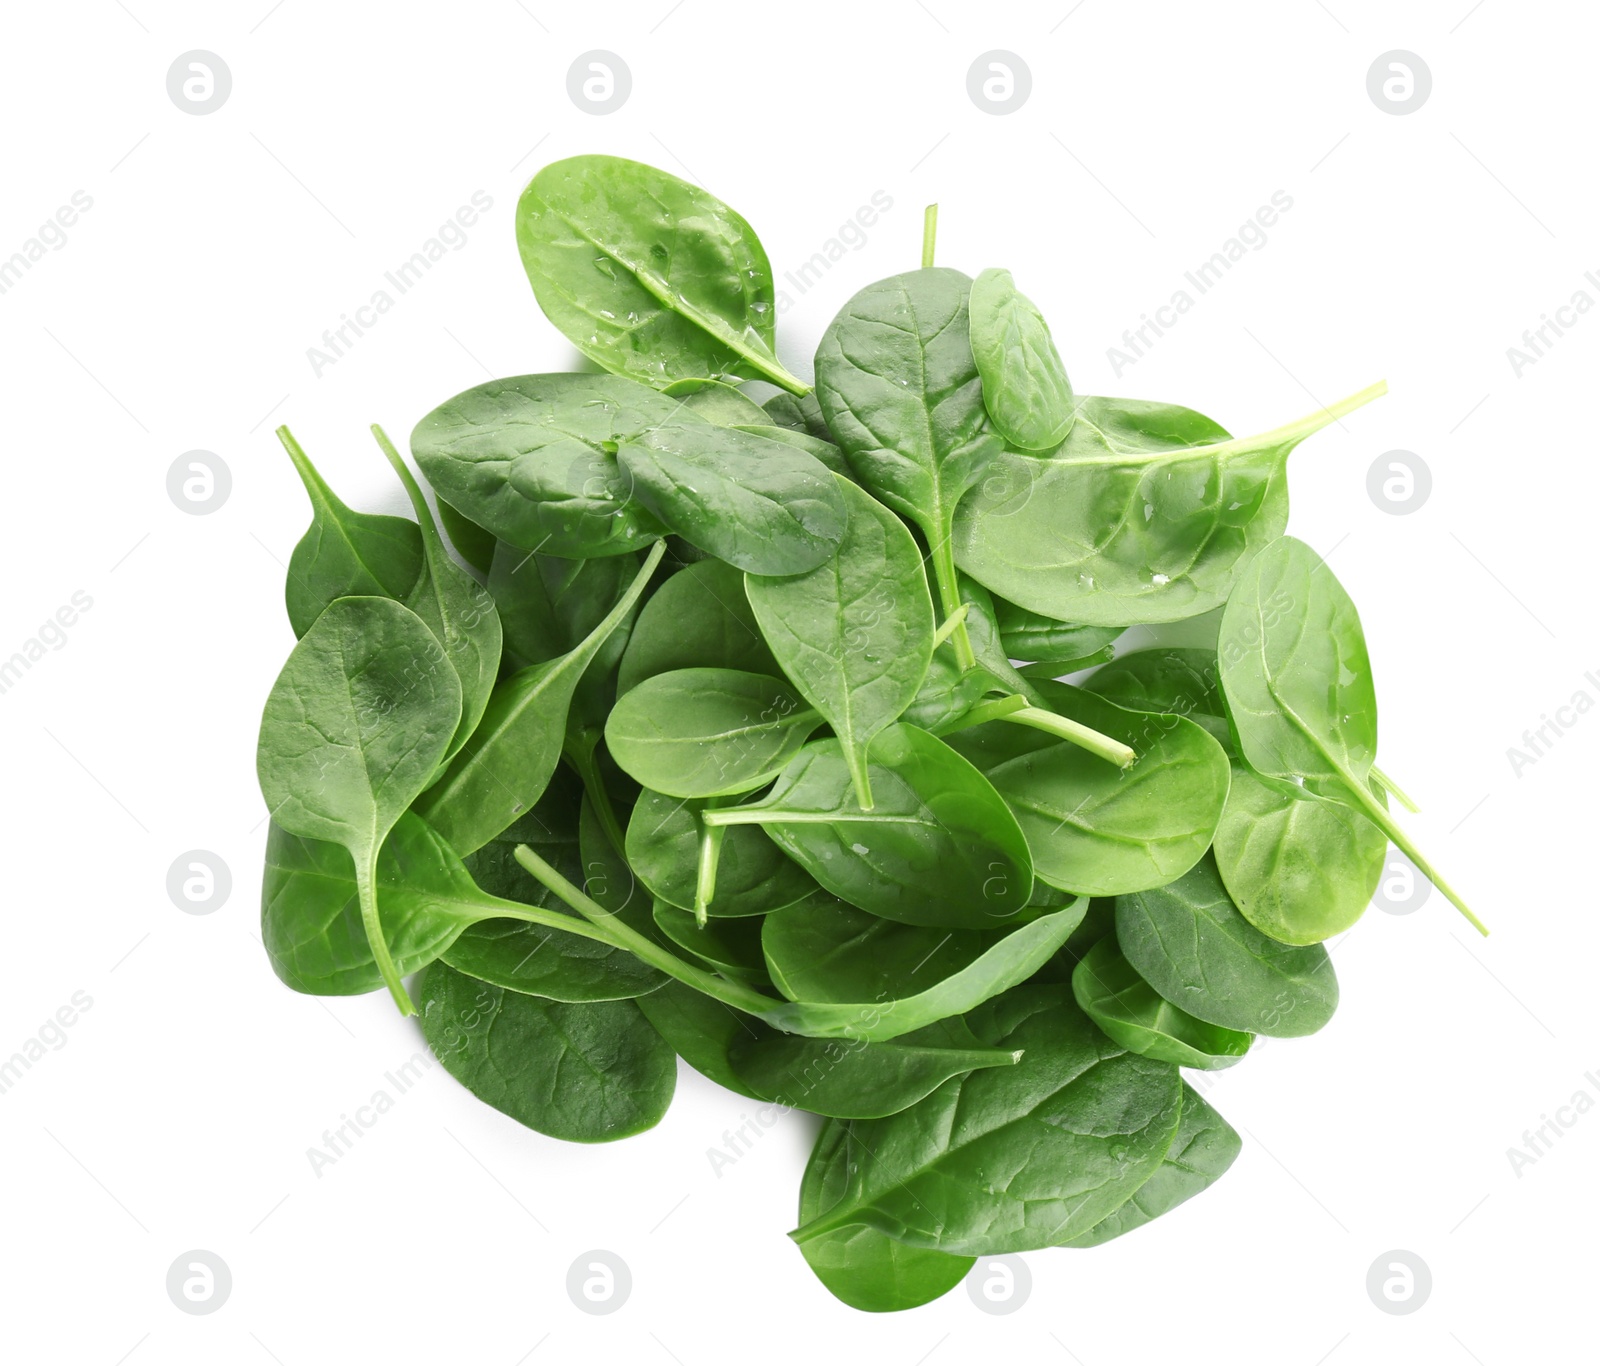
x=177, y=316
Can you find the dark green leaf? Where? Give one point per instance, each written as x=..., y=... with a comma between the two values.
x=823, y=452
x=345, y=553
x=939, y=846
x=1013, y=1158
x=472, y=542
x=588, y=1073
x=311, y=913
x=1189, y=942
x=538, y=961
x=900, y=391
x=1095, y=828
x=353, y=730
x=1204, y=1148
x=825, y=950
x=860, y=1266
x=1127, y=1007
x=849, y=1079
x=457, y=608
x=1146, y=513
x=534, y=460
x=731, y=947
x=506, y=764
x=753, y=875
x=701, y=1031
x=707, y=732
x=697, y=618
x=802, y=414
x=854, y=635
x=759, y=504
x=1299, y=687
x=648, y=275
x=1025, y=385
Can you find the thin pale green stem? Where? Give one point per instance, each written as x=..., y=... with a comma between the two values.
x=1114, y=751
x=947, y=628
x=994, y=709
x=706, y=881
x=552, y=920
x=1379, y=815
x=367, y=896
x=1393, y=788
x=930, y=230
x=860, y=776
x=625, y=937
x=944, y=575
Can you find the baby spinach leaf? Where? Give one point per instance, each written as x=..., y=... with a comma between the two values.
x=1075, y=1128
x=759, y=504
x=732, y=947
x=1296, y=673
x=1005, y=964
x=855, y=634
x=1025, y=385
x=506, y=764
x=824, y=452
x=1299, y=867
x=707, y=732
x=1299, y=687
x=311, y=914
x=824, y=950
x=900, y=391
x=860, y=1266
x=547, y=604
x=345, y=553
x=534, y=460
x=1189, y=942
x=698, y=618
x=353, y=730
x=457, y=608
x=1146, y=513
x=715, y=401
x=701, y=1031
x=849, y=1079
x=648, y=275
x=1102, y=830
x=939, y=846
x=1174, y=681
x=589, y=1073
x=431, y=903
x=799, y=414
x=1028, y=635
x=1126, y=1007
x=1204, y=1148
x=753, y=875
x=472, y=542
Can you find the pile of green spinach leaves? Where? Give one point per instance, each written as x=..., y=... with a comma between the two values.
x=734, y=731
